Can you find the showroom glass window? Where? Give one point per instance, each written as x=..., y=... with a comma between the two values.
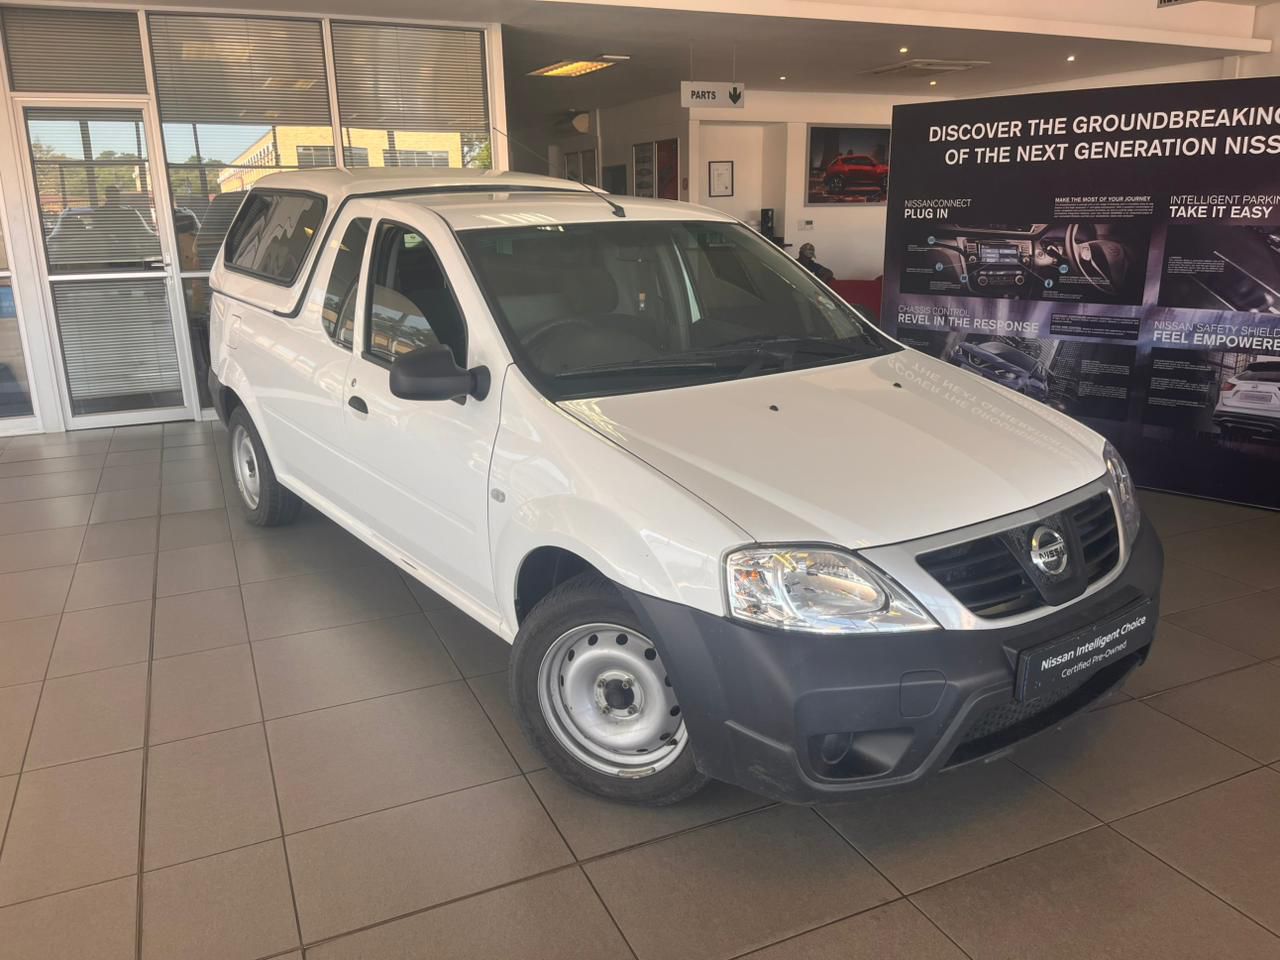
x=412, y=96
x=239, y=98
x=15, y=391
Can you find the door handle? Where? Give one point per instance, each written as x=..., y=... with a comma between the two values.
x=358, y=404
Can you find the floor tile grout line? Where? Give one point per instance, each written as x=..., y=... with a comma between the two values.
x=76, y=889
x=1151, y=853
x=1191, y=683
x=519, y=769
x=1209, y=736
x=599, y=896
x=854, y=847
x=146, y=754
x=266, y=740
x=35, y=713
x=524, y=775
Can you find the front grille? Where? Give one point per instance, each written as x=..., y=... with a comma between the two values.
x=986, y=576
x=1095, y=522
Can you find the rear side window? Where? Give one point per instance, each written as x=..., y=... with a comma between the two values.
x=338, y=312
x=272, y=234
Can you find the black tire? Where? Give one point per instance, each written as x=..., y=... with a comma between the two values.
x=835, y=184
x=586, y=599
x=276, y=506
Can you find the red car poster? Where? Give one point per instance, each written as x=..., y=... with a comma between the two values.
x=848, y=165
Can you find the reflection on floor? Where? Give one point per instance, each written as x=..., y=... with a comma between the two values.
x=275, y=742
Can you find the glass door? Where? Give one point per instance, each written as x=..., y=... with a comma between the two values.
x=15, y=382
x=107, y=264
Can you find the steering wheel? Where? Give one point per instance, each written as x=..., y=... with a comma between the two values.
x=623, y=342
x=563, y=323
x=1089, y=259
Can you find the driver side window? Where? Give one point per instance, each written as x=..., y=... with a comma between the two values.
x=411, y=304
x=338, y=312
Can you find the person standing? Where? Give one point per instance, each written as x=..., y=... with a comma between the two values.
x=806, y=260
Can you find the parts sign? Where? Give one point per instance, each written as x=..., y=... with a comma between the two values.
x=708, y=93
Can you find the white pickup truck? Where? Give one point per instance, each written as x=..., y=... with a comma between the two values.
x=732, y=529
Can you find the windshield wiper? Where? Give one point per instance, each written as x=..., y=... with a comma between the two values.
x=713, y=358
x=791, y=346
x=746, y=353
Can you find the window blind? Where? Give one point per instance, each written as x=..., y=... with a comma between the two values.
x=117, y=344
x=72, y=51
x=239, y=70
x=410, y=78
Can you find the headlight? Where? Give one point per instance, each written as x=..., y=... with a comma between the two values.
x=818, y=591
x=1126, y=495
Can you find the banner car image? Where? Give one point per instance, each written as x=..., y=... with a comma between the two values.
x=1094, y=262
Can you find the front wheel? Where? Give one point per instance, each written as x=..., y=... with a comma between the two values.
x=592, y=695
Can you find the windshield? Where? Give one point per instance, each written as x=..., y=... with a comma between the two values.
x=593, y=309
x=1010, y=355
x=1261, y=371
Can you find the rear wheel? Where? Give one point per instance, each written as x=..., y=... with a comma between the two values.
x=592, y=695
x=265, y=501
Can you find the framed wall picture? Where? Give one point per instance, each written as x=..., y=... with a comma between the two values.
x=581, y=166
x=614, y=178
x=720, y=178
x=667, y=161
x=573, y=166
x=847, y=165
x=642, y=170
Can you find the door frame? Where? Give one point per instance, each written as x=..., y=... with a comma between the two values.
x=171, y=273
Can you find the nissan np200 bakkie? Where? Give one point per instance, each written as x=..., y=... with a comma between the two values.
x=731, y=528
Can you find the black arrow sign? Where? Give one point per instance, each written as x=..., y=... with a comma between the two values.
x=734, y=94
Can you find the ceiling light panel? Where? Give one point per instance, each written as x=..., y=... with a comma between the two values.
x=572, y=68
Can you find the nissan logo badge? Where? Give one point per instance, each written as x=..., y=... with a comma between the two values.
x=1049, y=551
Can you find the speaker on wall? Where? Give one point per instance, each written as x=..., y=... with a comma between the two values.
x=766, y=222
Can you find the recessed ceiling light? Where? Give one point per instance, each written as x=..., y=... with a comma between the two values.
x=903, y=50
x=783, y=77
x=1071, y=58
x=933, y=83
x=571, y=68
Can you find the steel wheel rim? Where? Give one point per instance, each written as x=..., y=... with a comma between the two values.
x=244, y=462
x=604, y=694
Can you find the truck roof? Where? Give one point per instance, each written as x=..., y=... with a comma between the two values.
x=477, y=199
x=336, y=183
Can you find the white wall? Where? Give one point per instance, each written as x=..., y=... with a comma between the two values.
x=616, y=129
x=759, y=155
x=849, y=237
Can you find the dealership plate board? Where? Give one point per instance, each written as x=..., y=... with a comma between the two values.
x=1067, y=662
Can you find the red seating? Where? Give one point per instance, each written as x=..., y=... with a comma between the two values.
x=861, y=293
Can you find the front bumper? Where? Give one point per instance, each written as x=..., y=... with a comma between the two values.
x=759, y=703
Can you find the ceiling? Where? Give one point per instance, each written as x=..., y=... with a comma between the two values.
x=814, y=55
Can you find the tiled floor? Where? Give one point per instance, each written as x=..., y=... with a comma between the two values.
x=228, y=743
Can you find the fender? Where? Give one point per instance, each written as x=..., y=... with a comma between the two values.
x=555, y=482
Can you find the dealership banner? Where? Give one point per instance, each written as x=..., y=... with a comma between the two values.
x=1112, y=253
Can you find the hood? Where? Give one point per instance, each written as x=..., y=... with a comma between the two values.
x=860, y=454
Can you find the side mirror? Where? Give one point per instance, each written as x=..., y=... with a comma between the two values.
x=431, y=373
